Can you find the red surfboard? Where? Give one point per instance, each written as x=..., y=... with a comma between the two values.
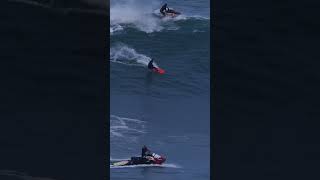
x=158, y=70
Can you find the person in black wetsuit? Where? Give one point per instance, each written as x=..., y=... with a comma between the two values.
x=145, y=152
x=146, y=157
x=150, y=65
x=164, y=9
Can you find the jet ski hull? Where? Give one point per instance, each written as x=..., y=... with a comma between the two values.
x=172, y=13
x=138, y=161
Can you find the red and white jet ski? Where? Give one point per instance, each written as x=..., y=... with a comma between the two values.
x=153, y=159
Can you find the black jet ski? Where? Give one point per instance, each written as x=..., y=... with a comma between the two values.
x=150, y=159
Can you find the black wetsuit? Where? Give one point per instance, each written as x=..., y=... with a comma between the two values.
x=150, y=65
x=163, y=9
x=141, y=160
x=145, y=152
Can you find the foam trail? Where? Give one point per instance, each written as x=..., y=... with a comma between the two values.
x=123, y=54
x=146, y=165
x=117, y=159
x=125, y=127
x=127, y=119
x=125, y=131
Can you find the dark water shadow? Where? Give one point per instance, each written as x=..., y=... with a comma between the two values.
x=149, y=79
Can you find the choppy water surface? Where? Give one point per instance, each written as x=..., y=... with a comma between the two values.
x=169, y=113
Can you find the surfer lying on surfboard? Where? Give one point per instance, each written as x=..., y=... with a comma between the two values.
x=154, y=68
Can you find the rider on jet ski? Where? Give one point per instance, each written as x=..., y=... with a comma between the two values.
x=146, y=157
x=146, y=154
x=164, y=9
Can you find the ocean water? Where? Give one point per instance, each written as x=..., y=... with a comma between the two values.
x=170, y=113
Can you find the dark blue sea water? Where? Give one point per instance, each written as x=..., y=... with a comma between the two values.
x=169, y=113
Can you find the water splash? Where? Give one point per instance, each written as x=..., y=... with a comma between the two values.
x=135, y=14
x=126, y=55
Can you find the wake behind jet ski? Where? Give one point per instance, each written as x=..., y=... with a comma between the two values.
x=147, y=157
x=165, y=11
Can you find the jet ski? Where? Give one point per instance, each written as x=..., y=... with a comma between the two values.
x=166, y=12
x=171, y=13
x=150, y=159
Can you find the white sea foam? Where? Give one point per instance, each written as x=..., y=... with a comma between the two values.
x=126, y=128
x=137, y=14
x=165, y=165
x=143, y=15
x=126, y=55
